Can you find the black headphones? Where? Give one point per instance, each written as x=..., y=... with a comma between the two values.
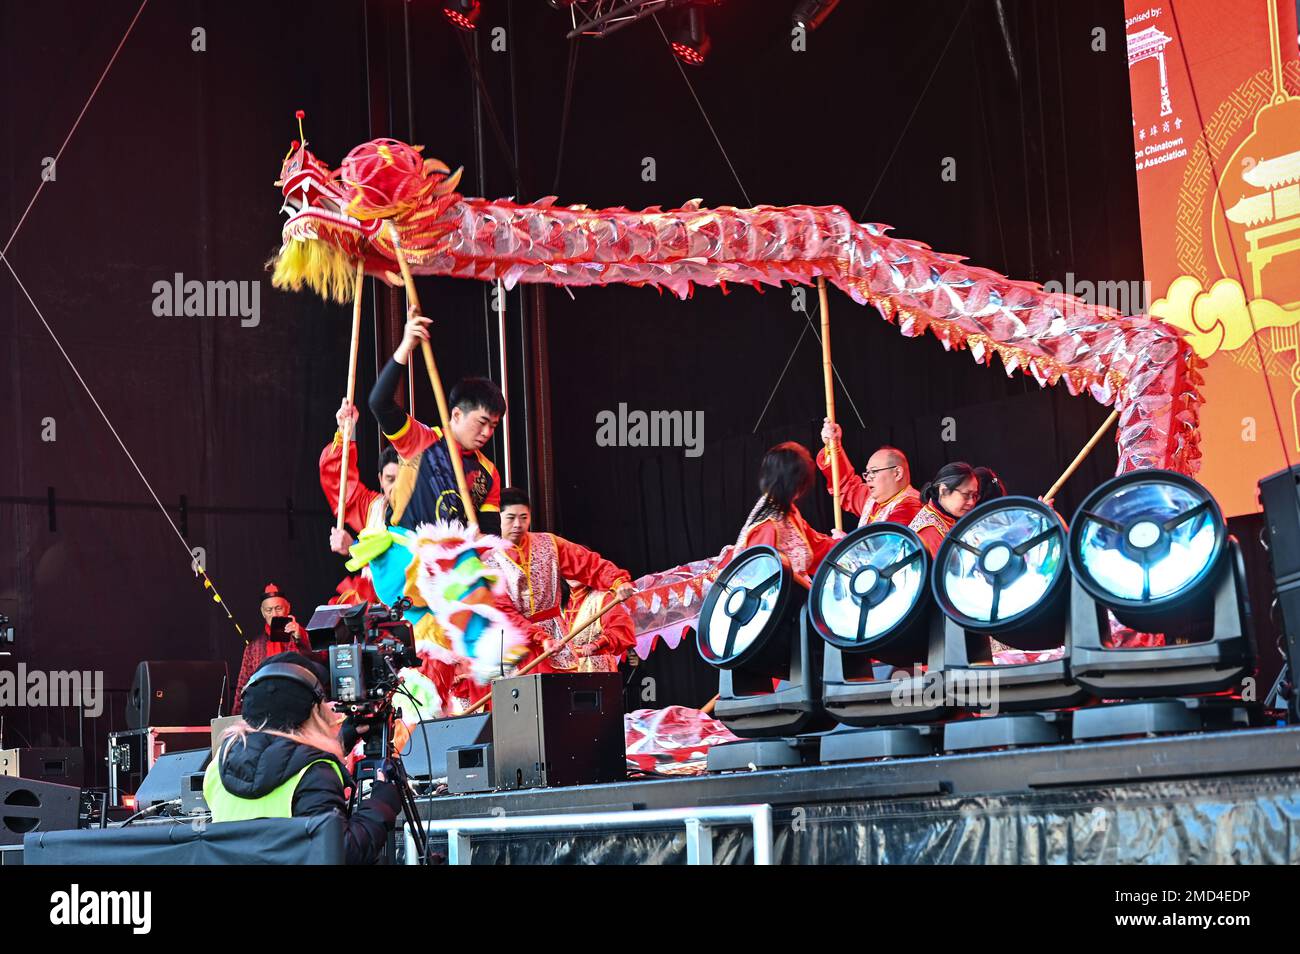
x=299, y=674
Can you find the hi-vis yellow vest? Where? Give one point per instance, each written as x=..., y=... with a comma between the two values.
x=277, y=803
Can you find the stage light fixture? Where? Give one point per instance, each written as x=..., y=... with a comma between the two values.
x=871, y=592
x=811, y=14
x=1150, y=546
x=1001, y=571
x=689, y=39
x=753, y=630
x=462, y=14
x=870, y=602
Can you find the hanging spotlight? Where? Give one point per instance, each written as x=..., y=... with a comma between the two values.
x=1001, y=571
x=870, y=602
x=463, y=14
x=1151, y=547
x=689, y=39
x=753, y=630
x=810, y=14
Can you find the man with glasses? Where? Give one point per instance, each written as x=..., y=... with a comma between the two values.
x=884, y=492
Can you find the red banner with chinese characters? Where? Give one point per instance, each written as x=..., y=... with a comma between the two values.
x=1215, y=87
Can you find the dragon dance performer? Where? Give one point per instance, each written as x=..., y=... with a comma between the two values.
x=785, y=475
x=363, y=508
x=952, y=494
x=883, y=492
x=425, y=490
x=533, y=568
x=283, y=637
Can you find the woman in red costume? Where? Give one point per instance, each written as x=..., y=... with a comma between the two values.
x=786, y=474
x=952, y=494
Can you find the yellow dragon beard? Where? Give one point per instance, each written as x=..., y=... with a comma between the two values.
x=320, y=266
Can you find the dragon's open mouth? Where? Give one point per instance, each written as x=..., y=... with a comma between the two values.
x=312, y=206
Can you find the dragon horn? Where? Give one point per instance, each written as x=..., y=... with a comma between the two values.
x=449, y=183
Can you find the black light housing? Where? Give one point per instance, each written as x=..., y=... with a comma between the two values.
x=462, y=14
x=1151, y=549
x=753, y=630
x=689, y=38
x=870, y=594
x=1150, y=545
x=1001, y=571
x=870, y=601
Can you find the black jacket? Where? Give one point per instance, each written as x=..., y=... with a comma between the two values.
x=267, y=761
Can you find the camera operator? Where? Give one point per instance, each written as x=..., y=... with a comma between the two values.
x=285, y=759
x=280, y=634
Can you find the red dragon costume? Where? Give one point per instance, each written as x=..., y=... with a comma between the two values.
x=386, y=192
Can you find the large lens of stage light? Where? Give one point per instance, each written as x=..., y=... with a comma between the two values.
x=751, y=613
x=870, y=595
x=1002, y=571
x=1149, y=545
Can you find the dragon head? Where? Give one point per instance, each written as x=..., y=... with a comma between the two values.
x=336, y=217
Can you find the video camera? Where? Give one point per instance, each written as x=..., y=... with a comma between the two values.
x=365, y=646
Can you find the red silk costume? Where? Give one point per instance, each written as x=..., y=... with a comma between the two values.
x=362, y=507
x=855, y=496
x=790, y=535
x=932, y=525
x=533, y=571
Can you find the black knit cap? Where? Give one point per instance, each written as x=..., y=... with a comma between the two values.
x=282, y=702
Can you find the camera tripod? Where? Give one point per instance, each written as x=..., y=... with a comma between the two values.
x=377, y=753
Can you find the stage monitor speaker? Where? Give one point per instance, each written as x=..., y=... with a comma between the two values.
x=62, y=766
x=1280, y=496
x=558, y=729
x=163, y=782
x=425, y=753
x=471, y=768
x=177, y=692
x=27, y=806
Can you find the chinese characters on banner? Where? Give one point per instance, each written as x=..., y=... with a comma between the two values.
x=1215, y=88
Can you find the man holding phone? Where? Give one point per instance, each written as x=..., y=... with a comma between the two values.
x=280, y=634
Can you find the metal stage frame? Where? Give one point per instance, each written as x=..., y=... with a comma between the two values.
x=1213, y=797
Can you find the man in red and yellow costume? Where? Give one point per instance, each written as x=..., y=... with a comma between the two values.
x=884, y=492
x=363, y=508
x=533, y=567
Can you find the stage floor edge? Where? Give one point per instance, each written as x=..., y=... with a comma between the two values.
x=1222, y=797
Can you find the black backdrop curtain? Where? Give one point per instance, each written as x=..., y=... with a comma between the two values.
x=171, y=171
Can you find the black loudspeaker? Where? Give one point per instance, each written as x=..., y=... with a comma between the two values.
x=163, y=782
x=27, y=806
x=425, y=753
x=471, y=768
x=558, y=729
x=177, y=692
x=62, y=766
x=1280, y=496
